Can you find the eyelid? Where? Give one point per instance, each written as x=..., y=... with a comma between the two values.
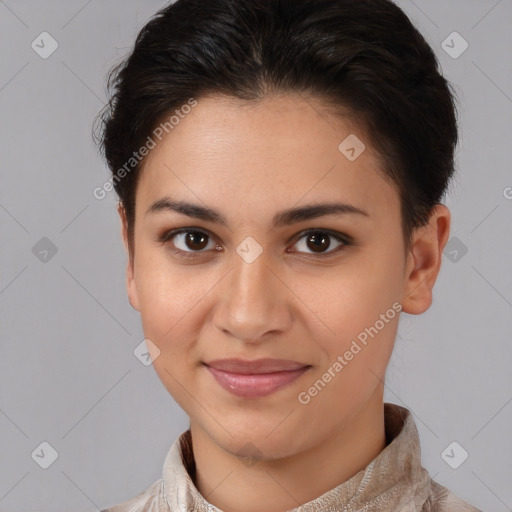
x=167, y=235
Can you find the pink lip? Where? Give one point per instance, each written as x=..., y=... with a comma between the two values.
x=252, y=379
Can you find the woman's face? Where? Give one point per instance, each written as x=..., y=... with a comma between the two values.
x=265, y=282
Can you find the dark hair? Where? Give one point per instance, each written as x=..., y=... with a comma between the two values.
x=362, y=57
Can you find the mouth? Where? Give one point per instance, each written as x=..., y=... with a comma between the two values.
x=254, y=379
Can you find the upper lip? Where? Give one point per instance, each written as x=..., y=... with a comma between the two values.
x=255, y=366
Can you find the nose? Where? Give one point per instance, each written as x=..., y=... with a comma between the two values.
x=253, y=301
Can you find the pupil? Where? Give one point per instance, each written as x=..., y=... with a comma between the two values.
x=319, y=241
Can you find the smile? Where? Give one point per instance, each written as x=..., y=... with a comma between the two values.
x=245, y=384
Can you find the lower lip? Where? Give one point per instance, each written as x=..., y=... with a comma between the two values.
x=255, y=385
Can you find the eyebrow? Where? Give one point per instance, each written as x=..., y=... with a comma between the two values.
x=282, y=218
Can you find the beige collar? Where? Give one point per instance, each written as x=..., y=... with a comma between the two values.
x=394, y=480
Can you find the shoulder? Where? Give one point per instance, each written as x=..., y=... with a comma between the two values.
x=148, y=500
x=443, y=500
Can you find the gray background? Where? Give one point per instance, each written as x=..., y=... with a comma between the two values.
x=68, y=374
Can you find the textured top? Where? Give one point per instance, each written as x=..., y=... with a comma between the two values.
x=394, y=481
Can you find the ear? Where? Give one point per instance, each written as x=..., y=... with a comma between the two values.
x=131, y=286
x=424, y=261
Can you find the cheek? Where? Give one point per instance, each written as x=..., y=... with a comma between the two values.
x=353, y=297
x=167, y=292
x=364, y=316
x=170, y=300
x=359, y=309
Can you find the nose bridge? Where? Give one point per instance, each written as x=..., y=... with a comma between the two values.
x=251, y=278
x=252, y=300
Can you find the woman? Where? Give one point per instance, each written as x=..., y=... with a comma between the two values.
x=280, y=166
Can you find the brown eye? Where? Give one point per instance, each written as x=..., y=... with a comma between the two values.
x=317, y=242
x=190, y=243
x=196, y=240
x=187, y=242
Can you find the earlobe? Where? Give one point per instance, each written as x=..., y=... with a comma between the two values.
x=424, y=261
x=131, y=286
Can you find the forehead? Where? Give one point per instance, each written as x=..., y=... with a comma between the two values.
x=283, y=149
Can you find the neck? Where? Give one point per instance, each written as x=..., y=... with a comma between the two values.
x=282, y=484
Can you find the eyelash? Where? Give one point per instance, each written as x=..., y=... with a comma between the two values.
x=345, y=240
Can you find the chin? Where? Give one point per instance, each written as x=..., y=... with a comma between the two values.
x=265, y=439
